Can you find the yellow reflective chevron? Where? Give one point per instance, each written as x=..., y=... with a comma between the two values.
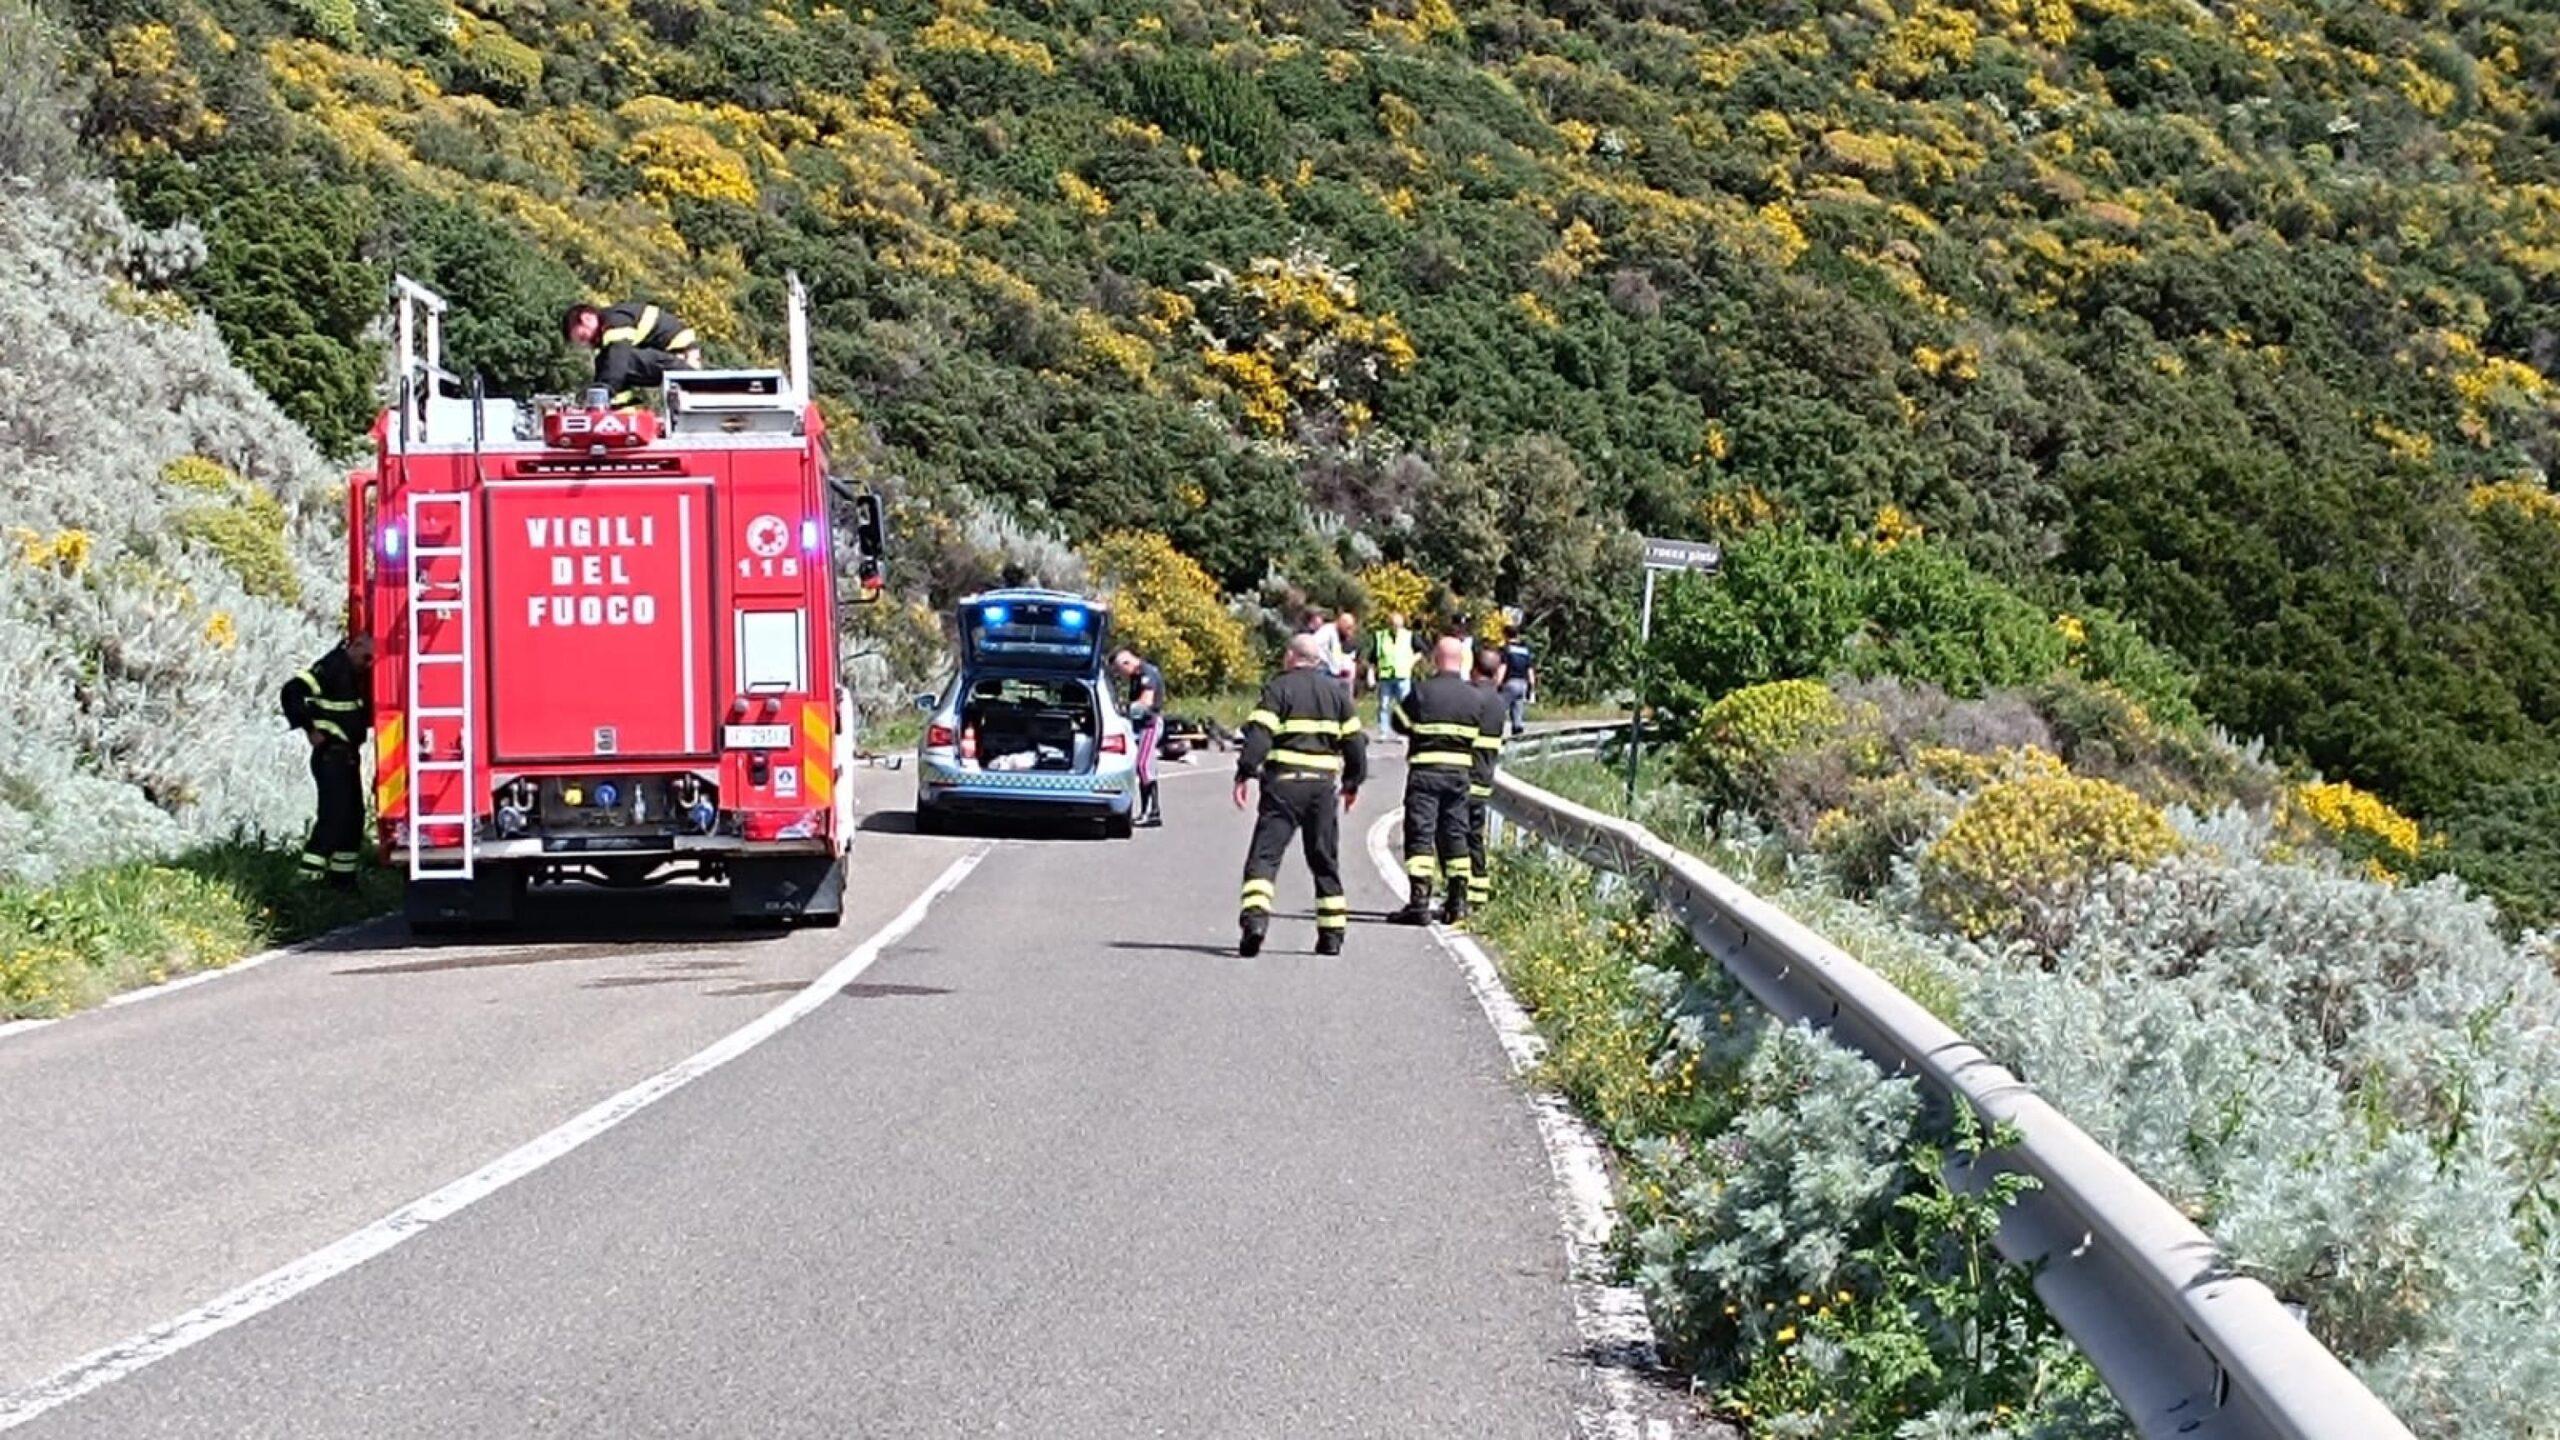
x=1306, y=761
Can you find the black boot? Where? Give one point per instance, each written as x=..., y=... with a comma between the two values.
x=1148, y=814
x=1453, y=911
x=1328, y=942
x=1250, y=930
x=1417, y=910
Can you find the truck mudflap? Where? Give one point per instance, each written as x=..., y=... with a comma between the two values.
x=487, y=900
x=780, y=889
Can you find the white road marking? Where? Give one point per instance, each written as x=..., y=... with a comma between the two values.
x=189, y=981
x=161, y=1341
x=1610, y=1317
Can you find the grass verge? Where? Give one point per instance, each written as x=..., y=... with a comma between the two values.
x=67, y=946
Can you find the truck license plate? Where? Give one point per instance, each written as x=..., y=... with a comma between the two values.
x=756, y=737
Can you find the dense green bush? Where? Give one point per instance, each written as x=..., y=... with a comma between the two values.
x=1788, y=604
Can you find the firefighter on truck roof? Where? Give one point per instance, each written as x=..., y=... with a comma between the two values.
x=1304, y=743
x=329, y=703
x=635, y=344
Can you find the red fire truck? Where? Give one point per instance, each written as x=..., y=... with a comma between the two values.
x=605, y=638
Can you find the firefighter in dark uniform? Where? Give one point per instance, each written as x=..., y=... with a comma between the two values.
x=331, y=704
x=1304, y=743
x=1442, y=718
x=1496, y=718
x=635, y=344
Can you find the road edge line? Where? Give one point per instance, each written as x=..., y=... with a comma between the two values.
x=194, y=978
x=125, y=1357
x=1616, y=1331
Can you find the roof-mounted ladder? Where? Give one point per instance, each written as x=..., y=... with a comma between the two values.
x=444, y=787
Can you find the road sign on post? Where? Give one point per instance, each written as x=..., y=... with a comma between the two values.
x=1703, y=556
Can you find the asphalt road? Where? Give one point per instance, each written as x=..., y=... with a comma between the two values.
x=1058, y=1163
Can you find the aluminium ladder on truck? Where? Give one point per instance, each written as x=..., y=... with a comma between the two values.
x=441, y=638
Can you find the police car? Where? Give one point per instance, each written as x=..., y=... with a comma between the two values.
x=1029, y=726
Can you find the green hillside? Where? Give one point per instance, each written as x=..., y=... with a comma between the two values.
x=2233, y=319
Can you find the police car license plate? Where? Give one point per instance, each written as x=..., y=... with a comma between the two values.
x=756, y=737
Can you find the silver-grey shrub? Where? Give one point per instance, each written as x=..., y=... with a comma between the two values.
x=137, y=667
x=2354, y=1085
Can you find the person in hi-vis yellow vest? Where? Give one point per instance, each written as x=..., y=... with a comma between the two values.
x=1392, y=656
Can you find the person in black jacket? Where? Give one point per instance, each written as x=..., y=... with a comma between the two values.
x=1495, y=720
x=635, y=344
x=331, y=704
x=1443, y=717
x=1304, y=743
x=1146, y=715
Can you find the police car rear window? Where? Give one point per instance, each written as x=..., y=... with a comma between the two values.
x=1031, y=631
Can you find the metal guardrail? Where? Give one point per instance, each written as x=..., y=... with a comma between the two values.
x=2189, y=1348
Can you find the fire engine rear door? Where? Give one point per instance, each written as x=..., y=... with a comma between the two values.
x=600, y=634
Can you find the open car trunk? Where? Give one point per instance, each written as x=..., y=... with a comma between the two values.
x=1033, y=722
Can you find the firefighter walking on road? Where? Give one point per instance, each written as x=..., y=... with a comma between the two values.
x=1443, y=718
x=331, y=704
x=1304, y=743
x=1496, y=718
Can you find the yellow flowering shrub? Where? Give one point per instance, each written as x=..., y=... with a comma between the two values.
x=1168, y=609
x=2360, y=824
x=65, y=550
x=1396, y=589
x=955, y=36
x=1735, y=742
x=1081, y=193
x=686, y=162
x=241, y=523
x=2022, y=851
x=1108, y=348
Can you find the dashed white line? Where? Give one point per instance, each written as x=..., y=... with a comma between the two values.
x=161, y=1341
x=1610, y=1317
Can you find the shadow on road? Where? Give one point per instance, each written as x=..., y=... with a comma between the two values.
x=1223, y=952
x=561, y=923
x=886, y=822
x=1026, y=826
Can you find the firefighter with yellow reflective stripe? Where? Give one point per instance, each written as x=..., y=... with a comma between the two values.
x=331, y=704
x=1496, y=719
x=635, y=344
x=1443, y=718
x=1304, y=743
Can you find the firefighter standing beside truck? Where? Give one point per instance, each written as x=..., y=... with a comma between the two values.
x=1303, y=741
x=1442, y=720
x=635, y=344
x=330, y=704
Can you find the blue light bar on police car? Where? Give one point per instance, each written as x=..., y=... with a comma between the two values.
x=995, y=614
x=1071, y=619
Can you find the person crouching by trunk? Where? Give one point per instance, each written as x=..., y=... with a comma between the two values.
x=331, y=704
x=1146, y=716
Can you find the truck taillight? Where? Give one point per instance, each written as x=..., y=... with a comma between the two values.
x=938, y=735
x=1115, y=744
